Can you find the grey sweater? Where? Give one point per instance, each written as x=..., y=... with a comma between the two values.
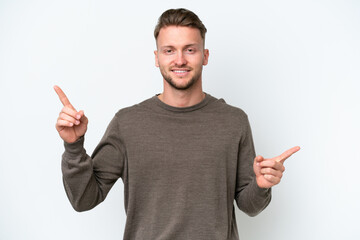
x=182, y=169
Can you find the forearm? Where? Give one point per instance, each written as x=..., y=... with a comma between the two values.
x=253, y=199
x=79, y=179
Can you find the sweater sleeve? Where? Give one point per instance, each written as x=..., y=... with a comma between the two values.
x=250, y=198
x=87, y=180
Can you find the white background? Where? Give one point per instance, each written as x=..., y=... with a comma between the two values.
x=293, y=66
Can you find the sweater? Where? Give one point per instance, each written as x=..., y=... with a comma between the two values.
x=182, y=170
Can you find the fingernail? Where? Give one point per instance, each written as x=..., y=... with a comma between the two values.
x=78, y=116
x=77, y=122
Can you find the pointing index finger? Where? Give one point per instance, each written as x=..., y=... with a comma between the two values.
x=64, y=100
x=287, y=154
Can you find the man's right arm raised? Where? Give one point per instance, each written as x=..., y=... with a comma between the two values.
x=87, y=180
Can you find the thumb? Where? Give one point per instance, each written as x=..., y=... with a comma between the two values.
x=256, y=166
x=258, y=159
x=81, y=113
x=82, y=116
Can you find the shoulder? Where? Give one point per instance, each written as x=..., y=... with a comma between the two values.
x=227, y=111
x=134, y=111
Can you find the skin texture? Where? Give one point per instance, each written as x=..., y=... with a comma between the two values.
x=270, y=171
x=71, y=124
x=180, y=56
x=181, y=49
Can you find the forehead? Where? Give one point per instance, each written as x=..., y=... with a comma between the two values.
x=178, y=36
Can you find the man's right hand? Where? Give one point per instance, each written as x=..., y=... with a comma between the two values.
x=71, y=124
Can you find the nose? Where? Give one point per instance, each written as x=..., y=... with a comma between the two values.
x=180, y=59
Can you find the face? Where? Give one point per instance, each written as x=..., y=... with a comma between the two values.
x=180, y=56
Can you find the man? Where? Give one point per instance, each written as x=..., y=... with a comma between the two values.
x=183, y=155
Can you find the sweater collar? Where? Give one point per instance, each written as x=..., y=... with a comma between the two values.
x=197, y=106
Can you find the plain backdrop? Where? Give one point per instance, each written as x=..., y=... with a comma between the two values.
x=292, y=66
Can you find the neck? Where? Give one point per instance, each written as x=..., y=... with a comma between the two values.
x=182, y=98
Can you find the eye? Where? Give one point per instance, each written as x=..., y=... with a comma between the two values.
x=168, y=51
x=190, y=50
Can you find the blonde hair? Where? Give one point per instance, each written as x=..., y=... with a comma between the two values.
x=180, y=17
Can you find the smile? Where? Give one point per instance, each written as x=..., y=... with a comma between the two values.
x=180, y=72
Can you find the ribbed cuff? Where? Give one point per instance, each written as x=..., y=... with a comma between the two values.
x=75, y=147
x=260, y=191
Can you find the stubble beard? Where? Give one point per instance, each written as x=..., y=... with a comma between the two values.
x=173, y=84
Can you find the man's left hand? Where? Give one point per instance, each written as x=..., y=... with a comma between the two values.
x=270, y=171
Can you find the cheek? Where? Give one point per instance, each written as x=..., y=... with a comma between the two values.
x=198, y=61
x=164, y=60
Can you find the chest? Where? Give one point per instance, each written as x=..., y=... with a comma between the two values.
x=180, y=146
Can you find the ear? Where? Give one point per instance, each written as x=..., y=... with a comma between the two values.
x=156, y=58
x=206, y=57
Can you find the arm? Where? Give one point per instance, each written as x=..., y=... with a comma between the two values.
x=255, y=178
x=87, y=180
x=250, y=198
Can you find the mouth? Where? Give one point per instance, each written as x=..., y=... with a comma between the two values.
x=180, y=72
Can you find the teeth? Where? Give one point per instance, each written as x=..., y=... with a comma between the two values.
x=178, y=71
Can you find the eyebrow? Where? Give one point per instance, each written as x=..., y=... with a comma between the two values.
x=186, y=46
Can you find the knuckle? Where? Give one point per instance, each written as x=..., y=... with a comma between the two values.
x=64, y=116
x=67, y=110
x=278, y=165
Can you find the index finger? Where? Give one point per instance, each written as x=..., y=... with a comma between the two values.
x=64, y=100
x=287, y=154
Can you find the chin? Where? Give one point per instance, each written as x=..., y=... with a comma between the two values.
x=181, y=85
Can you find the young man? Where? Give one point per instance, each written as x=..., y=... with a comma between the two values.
x=183, y=155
